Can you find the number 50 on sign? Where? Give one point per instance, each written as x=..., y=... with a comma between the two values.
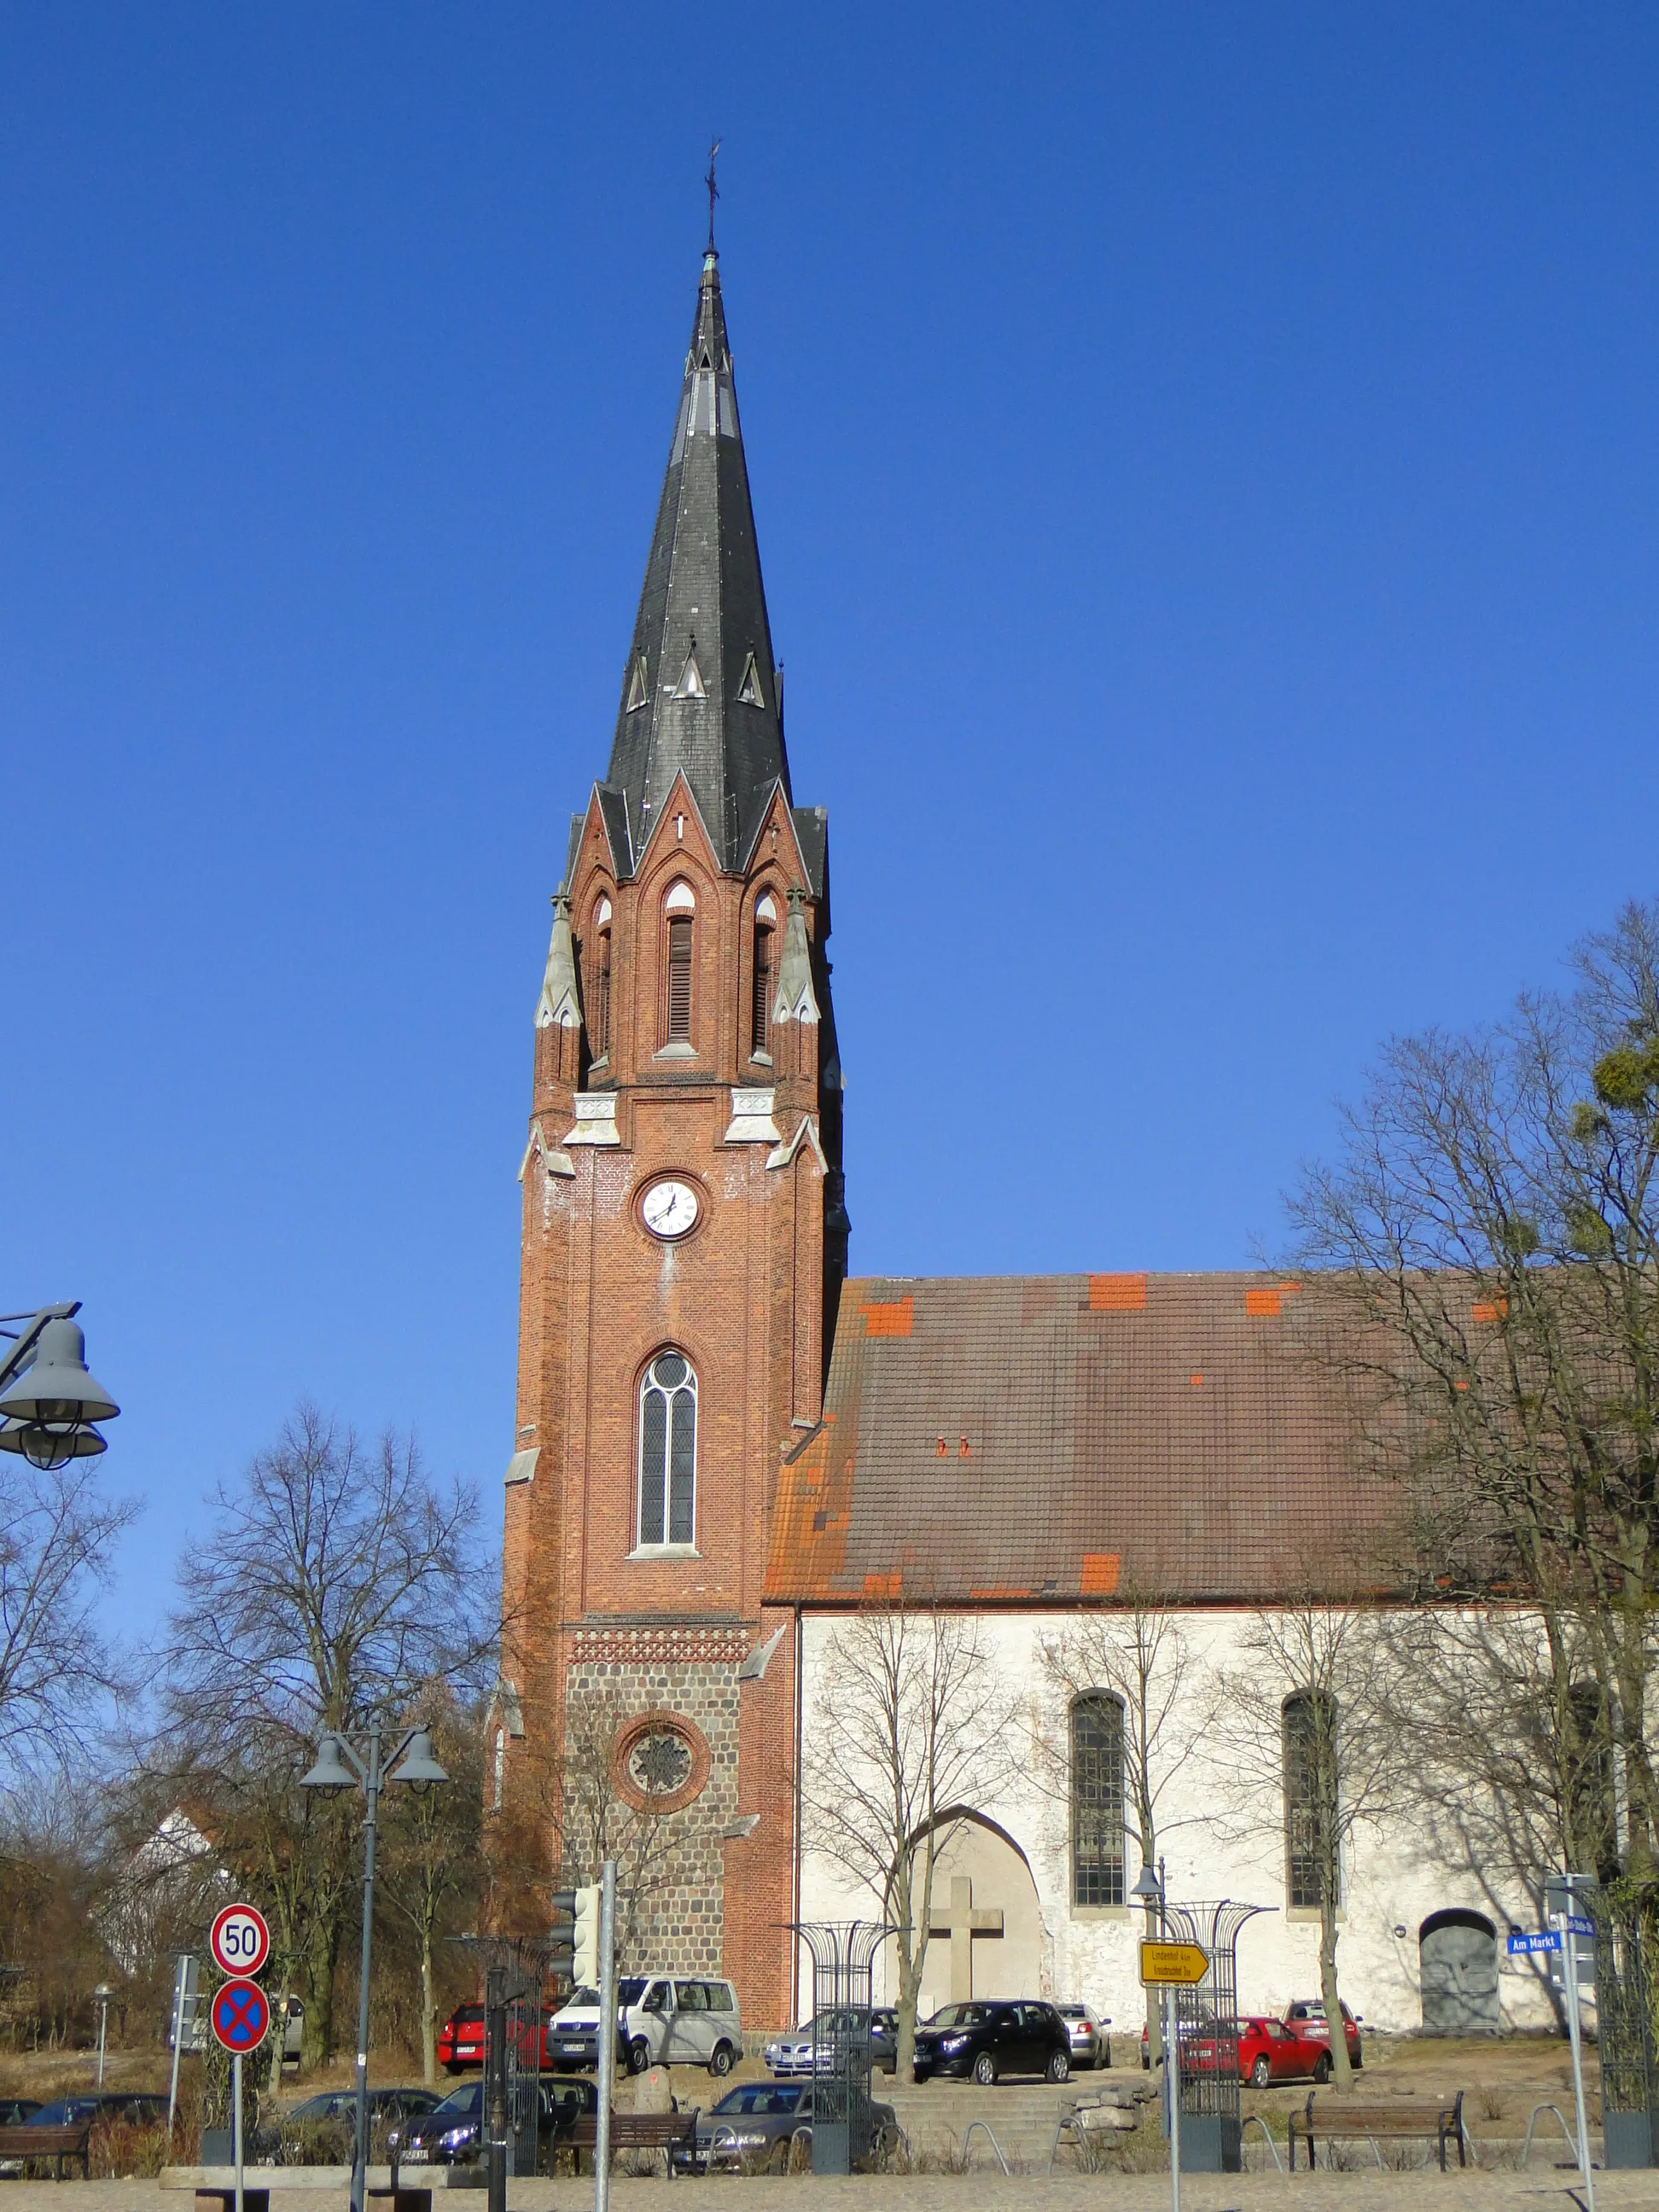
x=240, y=1941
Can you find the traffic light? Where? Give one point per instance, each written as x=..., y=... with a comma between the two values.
x=575, y=1949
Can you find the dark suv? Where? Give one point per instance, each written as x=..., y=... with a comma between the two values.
x=982, y=2041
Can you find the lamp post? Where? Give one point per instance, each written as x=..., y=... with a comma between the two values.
x=1149, y=1891
x=48, y=1401
x=344, y=1763
x=102, y=1995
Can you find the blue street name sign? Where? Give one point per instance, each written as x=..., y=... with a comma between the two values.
x=1575, y=1924
x=1546, y=1940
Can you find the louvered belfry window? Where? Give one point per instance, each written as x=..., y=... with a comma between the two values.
x=760, y=1022
x=599, y=1014
x=679, y=979
x=668, y=1451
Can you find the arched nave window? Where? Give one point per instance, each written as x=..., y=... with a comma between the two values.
x=1097, y=1800
x=1310, y=1785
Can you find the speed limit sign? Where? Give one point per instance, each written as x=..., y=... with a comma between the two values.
x=241, y=1941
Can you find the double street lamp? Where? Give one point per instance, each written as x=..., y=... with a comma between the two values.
x=360, y=1762
x=48, y=1401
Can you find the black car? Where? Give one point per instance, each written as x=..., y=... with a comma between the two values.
x=982, y=2041
x=335, y=2109
x=756, y=2124
x=451, y=2133
x=134, y=2110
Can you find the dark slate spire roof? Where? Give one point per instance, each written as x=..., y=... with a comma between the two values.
x=699, y=691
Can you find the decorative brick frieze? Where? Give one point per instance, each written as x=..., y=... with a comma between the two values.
x=664, y=1645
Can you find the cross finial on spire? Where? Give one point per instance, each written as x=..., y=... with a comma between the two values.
x=714, y=190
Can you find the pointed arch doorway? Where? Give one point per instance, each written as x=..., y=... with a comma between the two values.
x=987, y=1939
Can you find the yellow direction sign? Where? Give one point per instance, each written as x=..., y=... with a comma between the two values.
x=1180, y=1963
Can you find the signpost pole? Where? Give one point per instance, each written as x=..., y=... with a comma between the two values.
x=186, y=1961
x=607, y=2052
x=1564, y=1921
x=1172, y=2078
x=236, y=2120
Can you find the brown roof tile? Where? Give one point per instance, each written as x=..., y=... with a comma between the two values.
x=1048, y=1439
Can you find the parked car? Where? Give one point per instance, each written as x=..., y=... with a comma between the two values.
x=662, y=2020
x=756, y=2124
x=461, y=2039
x=1091, y=2044
x=335, y=2109
x=984, y=2041
x=451, y=2133
x=1204, y=2026
x=1307, y=2017
x=126, y=2106
x=811, y=2049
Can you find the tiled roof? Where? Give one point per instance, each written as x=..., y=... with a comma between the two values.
x=1050, y=1439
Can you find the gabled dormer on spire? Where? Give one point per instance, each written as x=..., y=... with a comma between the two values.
x=700, y=690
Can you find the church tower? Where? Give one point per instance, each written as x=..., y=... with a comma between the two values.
x=684, y=1242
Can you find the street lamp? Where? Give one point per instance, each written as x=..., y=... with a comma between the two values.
x=342, y=1763
x=48, y=1401
x=1149, y=1889
x=102, y=1995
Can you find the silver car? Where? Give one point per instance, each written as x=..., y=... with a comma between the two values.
x=1091, y=2044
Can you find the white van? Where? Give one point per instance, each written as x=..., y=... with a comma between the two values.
x=662, y=2020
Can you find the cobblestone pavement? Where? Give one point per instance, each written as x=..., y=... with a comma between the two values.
x=976, y=2192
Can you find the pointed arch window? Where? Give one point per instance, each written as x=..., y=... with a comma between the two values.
x=598, y=983
x=638, y=692
x=1311, y=1856
x=1097, y=1799
x=679, y=910
x=761, y=977
x=668, y=1452
x=749, y=691
x=691, y=685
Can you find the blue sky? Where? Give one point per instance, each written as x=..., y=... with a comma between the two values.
x=1205, y=461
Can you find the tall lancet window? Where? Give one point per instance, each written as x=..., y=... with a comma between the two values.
x=668, y=1451
x=760, y=1013
x=679, y=911
x=598, y=983
x=1097, y=1799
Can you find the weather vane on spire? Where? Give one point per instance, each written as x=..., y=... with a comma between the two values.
x=714, y=190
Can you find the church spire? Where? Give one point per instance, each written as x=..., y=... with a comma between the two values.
x=700, y=690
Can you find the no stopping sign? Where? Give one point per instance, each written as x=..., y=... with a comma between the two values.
x=240, y=1941
x=240, y=2015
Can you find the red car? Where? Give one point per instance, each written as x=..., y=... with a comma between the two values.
x=1294, y=2049
x=461, y=2039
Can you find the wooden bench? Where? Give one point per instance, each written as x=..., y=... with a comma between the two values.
x=49, y=2143
x=664, y=2131
x=1400, y=2119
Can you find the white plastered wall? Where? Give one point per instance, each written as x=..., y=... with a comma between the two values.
x=1216, y=1844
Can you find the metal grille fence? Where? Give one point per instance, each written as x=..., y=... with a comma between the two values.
x=1624, y=2013
x=1206, y=2019
x=844, y=1956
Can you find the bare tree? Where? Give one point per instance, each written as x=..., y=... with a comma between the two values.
x=1493, y=1218
x=57, y=1537
x=1139, y=1656
x=432, y=1845
x=910, y=1722
x=336, y=1587
x=1312, y=1727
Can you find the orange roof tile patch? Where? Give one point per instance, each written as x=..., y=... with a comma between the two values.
x=1264, y=1304
x=1489, y=1309
x=883, y=1586
x=1197, y=1382
x=1117, y=1293
x=1100, y=1573
x=889, y=1318
x=993, y=1591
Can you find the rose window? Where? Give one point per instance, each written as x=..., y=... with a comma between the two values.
x=659, y=1764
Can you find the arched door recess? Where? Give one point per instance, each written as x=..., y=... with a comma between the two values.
x=1457, y=1952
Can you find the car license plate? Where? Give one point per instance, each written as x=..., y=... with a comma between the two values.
x=572, y=2050
x=414, y=2155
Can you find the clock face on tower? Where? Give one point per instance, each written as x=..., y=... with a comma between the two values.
x=670, y=1209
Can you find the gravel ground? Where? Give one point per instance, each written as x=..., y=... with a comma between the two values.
x=976, y=2192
